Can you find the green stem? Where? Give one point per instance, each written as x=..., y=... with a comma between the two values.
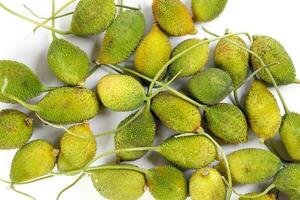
x=127, y=7
x=53, y=20
x=106, y=133
x=236, y=98
x=70, y=186
x=121, y=8
x=22, y=193
x=46, y=18
x=50, y=88
x=267, y=190
x=5, y=181
x=112, y=167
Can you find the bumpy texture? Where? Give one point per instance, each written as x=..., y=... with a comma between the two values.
x=22, y=82
x=262, y=111
x=176, y=113
x=271, y=51
x=227, y=122
x=121, y=92
x=122, y=37
x=119, y=184
x=173, y=17
x=76, y=152
x=207, y=10
x=232, y=59
x=68, y=105
x=210, y=86
x=33, y=160
x=139, y=133
x=189, y=152
x=92, y=17
x=264, y=197
x=249, y=166
x=15, y=129
x=287, y=180
x=167, y=183
x=191, y=62
x=68, y=62
x=153, y=52
x=290, y=134
x=207, y=184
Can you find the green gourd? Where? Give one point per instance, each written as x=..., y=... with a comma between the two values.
x=207, y=10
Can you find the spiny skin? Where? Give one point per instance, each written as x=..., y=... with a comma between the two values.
x=68, y=62
x=33, y=160
x=153, y=52
x=176, y=113
x=121, y=92
x=207, y=184
x=232, y=59
x=262, y=111
x=189, y=152
x=122, y=37
x=173, y=17
x=290, y=134
x=92, y=17
x=22, y=82
x=192, y=62
x=265, y=197
x=15, y=129
x=249, y=166
x=210, y=86
x=119, y=184
x=271, y=51
x=167, y=183
x=207, y=10
x=68, y=105
x=227, y=122
x=287, y=180
x=76, y=152
x=139, y=133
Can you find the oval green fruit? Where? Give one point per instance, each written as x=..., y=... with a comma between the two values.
x=210, y=86
x=122, y=37
x=249, y=166
x=33, y=160
x=207, y=184
x=92, y=17
x=15, y=129
x=176, y=113
x=262, y=111
x=68, y=62
x=192, y=62
x=227, y=122
x=121, y=92
x=271, y=51
x=264, y=197
x=173, y=17
x=153, y=52
x=207, y=10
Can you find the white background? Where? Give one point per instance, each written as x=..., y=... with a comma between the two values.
x=276, y=18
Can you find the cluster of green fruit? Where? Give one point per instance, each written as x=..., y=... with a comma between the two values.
x=156, y=66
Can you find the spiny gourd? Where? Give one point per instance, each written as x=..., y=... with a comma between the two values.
x=271, y=51
x=153, y=52
x=68, y=62
x=227, y=122
x=249, y=166
x=207, y=10
x=176, y=113
x=232, y=59
x=173, y=17
x=167, y=183
x=119, y=184
x=138, y=133
x=210, y=86
x=192, y=62
x=207, y=184
x=122, y=37
x=92, y=17
x=78, y=149
x=33, y=160
x=262, y=111
x=66, y=105
x=290, y=134
x=121, y=92
x=23, y=83
x=264, y=197
x=15, y=129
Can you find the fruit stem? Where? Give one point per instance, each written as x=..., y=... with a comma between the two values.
x=70, y=186
x=50, y=88
x=33, y=21
x=121, y=8
x=53, y=20
x=267, y=190
x=229, y=191
x=112, y=167
x=127, y=7
x=22, y=193
x=5, y=181
x=106, y=133
x=136, y=115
